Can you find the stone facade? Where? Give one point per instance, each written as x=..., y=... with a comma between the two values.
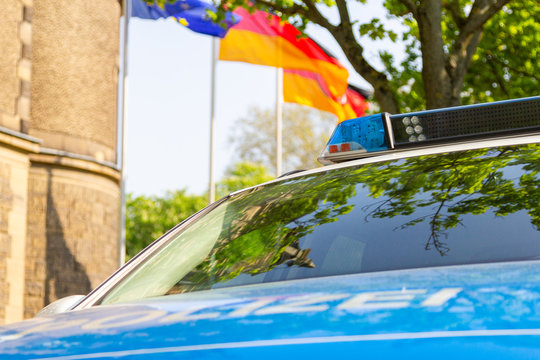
x=74, y=75
x=14, y=170
x=72, y=235
x=59, y=185
x=12, y=65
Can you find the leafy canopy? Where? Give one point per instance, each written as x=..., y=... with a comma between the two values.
x=456, y=51
x=149, y=217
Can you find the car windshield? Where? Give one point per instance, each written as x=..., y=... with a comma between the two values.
x=466, y=207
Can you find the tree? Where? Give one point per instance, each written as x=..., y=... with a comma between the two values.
x=242, y=175
x=441, y=42
x=506, y=64
x=149, y=217
x=447, y=61
x=305, y=133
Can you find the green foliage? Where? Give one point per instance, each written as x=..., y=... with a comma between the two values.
x=507, y=63
x=376, y=30
x=149, y=217
x=504, y=65
x=242, y=175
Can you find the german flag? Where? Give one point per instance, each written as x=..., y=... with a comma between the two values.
x=308, y=88
x=263, y=39
x=357, y=100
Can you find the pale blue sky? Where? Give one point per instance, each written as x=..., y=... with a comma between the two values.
x=168, y=102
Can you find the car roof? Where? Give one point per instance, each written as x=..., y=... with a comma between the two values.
x=390, y=155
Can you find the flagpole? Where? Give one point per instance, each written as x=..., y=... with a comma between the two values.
x=123, y=142
x=279, y=120
x=211, y=181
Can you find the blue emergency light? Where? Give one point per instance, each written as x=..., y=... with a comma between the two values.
x=366, y=135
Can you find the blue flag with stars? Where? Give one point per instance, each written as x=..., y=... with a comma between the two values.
x=191, y=13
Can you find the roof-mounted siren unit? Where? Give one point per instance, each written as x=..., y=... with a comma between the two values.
x=368, y=135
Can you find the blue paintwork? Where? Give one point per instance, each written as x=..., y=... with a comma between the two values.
x=368, y=131
x=497, y=303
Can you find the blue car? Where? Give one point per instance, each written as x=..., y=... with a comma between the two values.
x=420, y=239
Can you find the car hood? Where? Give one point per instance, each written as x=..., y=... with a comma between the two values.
x=480, y=310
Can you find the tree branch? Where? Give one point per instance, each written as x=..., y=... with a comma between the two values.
x=481, y=12
x=315, y=16
x=411, y=6
x=459, y=62
x=344, y=35
x=437, y=84
x=453, y=7
x=289, y=10
x=465, y=46
x=381, y=85
x=309, y=11
x=344, y=14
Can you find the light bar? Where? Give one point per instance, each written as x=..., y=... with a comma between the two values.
x=360, y=137
x=355, y=137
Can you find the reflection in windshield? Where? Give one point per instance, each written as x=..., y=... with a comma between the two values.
x=467, y=207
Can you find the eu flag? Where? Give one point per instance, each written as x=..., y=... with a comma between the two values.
x=191, y=13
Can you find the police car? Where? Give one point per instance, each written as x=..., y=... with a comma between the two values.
x=419, y=240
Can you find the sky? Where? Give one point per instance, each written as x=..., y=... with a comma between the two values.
x=168, y=101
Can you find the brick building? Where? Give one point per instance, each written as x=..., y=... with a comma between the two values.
x=59, y=185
